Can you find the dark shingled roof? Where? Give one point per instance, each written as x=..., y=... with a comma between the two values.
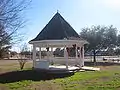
x=56, y=29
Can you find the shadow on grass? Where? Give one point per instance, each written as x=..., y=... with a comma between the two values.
x=33, y=75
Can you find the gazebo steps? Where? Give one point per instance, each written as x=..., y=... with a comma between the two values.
x=86, y=68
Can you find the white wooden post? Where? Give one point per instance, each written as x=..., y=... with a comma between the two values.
x=83, y=56
x=52, y=51
x=80, y=58
x=48, y=54
x=39, y=53
x=34, y=55
x=76, y=51
x=51, y=55
x=66, y=57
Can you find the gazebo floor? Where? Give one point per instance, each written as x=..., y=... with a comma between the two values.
x=62, y=69
x=86, y=68
x=59, y=69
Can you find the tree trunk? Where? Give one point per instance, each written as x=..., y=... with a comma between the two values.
x=94, y=57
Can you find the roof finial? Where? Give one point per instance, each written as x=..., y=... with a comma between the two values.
x=57, y=11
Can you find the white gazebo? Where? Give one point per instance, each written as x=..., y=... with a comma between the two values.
x=58, y=34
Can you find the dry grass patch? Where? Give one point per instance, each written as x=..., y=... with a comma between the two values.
x=44, y=85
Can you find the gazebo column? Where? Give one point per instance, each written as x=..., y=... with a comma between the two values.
x=34, y=55
x=76, y=53
x=52, y=50
x=66, y=56
x=39, y=53
x=83, y=56
x=80, y=58
x=48, y=53
x=51, y=54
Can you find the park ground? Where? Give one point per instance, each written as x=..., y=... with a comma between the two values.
x=12, y=78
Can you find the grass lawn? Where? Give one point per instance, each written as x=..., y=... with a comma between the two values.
x=13, y=78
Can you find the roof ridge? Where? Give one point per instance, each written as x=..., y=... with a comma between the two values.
x=62, y=25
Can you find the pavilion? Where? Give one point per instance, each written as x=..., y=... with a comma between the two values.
x=58, y=34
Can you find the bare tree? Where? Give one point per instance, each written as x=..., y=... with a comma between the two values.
x=23, y=60
x=11, y=20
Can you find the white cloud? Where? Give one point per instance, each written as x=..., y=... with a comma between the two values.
x=113, y=4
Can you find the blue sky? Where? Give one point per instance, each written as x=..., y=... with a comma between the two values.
x=78, y=13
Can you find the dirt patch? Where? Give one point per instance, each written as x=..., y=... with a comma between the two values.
x=109, y=68
x=88, y=63
x=7, y=62
x=3, y=87
x=44, y=85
